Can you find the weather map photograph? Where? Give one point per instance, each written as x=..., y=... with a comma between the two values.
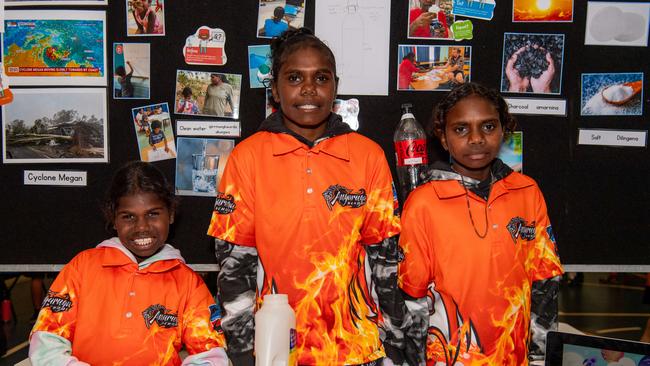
x=55, y=48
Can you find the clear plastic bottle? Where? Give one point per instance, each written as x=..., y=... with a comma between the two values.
x=410, y=150
x=275, y=332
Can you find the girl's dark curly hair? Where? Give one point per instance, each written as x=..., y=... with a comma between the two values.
x=137, y=177
x=438, y=120
x=293, y=39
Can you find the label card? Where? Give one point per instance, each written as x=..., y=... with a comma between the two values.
x=208, y=128
x=550, y=107
x=55, y=178
x=612, y=137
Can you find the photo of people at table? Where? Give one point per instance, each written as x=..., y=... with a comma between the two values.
x=433, y=67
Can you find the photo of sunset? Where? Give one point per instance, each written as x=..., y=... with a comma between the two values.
x=542, y=10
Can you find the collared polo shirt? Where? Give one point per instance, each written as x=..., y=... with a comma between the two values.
x=309, y=211
x=116, y=314
x=480, y=289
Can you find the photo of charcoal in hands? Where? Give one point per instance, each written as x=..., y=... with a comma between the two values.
x=532, y=63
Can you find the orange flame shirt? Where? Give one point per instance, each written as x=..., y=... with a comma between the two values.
x=479, y=290
x=116, y=314
x=309, y=211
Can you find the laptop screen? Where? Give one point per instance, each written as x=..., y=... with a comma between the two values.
x=567, y=349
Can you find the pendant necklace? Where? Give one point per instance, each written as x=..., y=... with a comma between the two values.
x=471, y=218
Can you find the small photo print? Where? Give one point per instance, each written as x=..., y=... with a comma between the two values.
x=207, y=94
x=617, y=23
x=200, y=165
x=348, y=110
x=145, y=18
x=532, y=63
x=154, y=132
x=274, y=17
x=542, y=10
x=259, y=65
x=619, y=94
x=270, y=104
x=52, y=125
x=425, y=68
x=430, y=19
x=512, y=151
x=131, y=71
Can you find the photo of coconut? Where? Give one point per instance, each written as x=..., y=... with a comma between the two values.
x=608, y=94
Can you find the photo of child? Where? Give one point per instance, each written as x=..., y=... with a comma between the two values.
x=144, y=18
x=275, y=17
x=430, y=19
x=131, y=71
x=207, y=94
x=154, y=132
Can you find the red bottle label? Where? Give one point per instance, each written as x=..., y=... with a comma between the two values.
x=411, y=152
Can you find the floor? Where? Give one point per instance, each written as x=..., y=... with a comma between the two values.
x=600, y=304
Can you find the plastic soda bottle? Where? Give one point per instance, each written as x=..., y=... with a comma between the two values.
x=411, y=151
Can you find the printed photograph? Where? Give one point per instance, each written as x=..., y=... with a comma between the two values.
x=154, y=132
x=270, y=104
x=205, y=47
x=617, y=23
x=512, y=151
x=542, y=10
x=274, y=17
x=426, y=68
x=51, y=125
x=200, y=165
x=532, y=63
x=259, y=65
x=610, y=94
x=207, y=94
x=430, y=19
x=55, y=47
x=54, y=2
x=348, y=109
x=131, y=71
x=145, y=18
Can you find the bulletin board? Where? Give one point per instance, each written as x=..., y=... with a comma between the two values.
x=597, y=196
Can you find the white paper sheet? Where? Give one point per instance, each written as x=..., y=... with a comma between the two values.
x=358, y=32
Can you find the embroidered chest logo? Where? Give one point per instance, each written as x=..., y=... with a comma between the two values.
x=344, y=197
x=224, y=204
x=159, y=314
x=518, y=228
x=56, y=302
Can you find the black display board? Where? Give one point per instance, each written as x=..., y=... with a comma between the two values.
x=597, y=196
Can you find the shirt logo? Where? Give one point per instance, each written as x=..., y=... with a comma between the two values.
x=344, y=197
x=215, y=317
x=519, y=228
x=159, y=314
x=224, y=204
x=57, y=302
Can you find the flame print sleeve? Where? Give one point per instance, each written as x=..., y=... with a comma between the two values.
x=233, y=213
x=237, y=286
x=201, y=321
x=51, y=337
x=415, y=271
x=380, y=222
x=542, y=261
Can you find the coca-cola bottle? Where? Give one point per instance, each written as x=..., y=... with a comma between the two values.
x=410, y=150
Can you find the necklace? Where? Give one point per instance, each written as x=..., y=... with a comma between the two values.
x=471, y=218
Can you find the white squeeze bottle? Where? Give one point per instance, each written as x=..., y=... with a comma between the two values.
x=275, y=332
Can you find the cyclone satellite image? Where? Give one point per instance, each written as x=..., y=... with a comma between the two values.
x=54, y=48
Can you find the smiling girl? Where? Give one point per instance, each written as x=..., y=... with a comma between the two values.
x=131, y=300
x=314, y=200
